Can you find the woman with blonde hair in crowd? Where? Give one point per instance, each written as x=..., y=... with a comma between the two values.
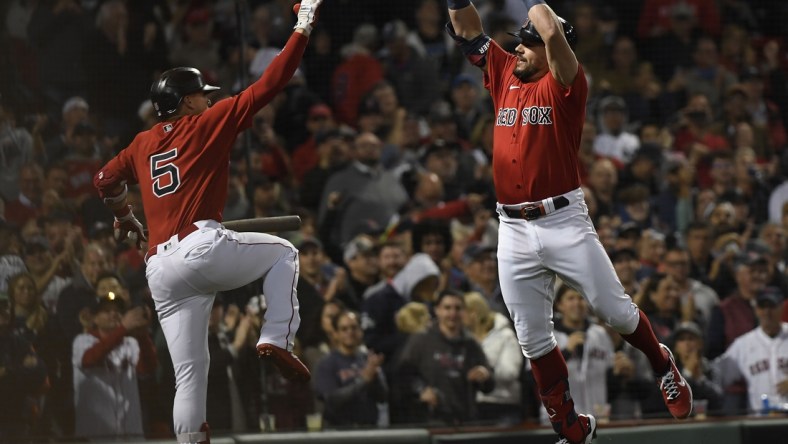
x=413, y=317
x=495, y=334
x=31, y=316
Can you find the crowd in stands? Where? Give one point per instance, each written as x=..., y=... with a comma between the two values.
x=382, y=143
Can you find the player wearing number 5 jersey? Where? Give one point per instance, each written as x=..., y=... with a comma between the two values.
x=182, y=166
x=540, y=94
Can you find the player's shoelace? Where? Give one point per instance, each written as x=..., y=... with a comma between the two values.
x=669, y=385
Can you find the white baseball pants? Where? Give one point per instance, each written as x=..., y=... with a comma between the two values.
x=184, y=277
x=562, y=243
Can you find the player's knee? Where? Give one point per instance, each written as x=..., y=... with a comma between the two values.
x=535, y=348
x=623, y=318
x=291, y=250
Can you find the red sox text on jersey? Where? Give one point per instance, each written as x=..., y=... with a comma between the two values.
x=530, y=115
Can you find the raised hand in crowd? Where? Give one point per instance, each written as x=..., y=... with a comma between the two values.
x=136, y=320
x=337, y=284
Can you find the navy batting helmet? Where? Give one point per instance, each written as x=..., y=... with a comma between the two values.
x=173, y=85
x=528, y=34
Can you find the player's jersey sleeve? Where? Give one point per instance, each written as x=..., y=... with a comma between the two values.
x=235, y=114
x=500, y=65
x=570, y=97
x=119, y=169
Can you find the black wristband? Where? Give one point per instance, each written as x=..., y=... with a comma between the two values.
x=531, y=3
x=458, y=4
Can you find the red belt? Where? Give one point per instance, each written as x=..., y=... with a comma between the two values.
x=187, y=230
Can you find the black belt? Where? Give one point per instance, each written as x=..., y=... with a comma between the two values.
x=535, y=210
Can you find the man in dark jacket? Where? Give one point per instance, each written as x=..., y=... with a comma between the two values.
x=444, y=367
x=349, y=381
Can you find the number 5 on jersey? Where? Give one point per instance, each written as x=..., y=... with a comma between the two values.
x=164, y=174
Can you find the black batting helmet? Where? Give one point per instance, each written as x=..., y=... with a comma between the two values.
x=528, y=34
x=173, y=85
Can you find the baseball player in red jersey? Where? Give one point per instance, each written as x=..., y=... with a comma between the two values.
x=182, y=166
x=540, y=96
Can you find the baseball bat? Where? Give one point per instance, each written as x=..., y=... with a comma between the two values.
x=265, y=224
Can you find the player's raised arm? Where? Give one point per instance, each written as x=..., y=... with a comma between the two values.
x=282, y=68
x=466, y=29
x=560, y=57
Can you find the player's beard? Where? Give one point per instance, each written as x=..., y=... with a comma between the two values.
x=526, y=73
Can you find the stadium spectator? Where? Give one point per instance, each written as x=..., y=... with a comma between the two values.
x=626, y=263
x=688, y=342
x=734, y=316
x=414, y=77
x=306, y=156
x=392, y=258
x=445, y=368
x=108, y=360
x=350, y=382
x=660, y=301
x=707, y=76
x=367, y=196
x=333, y=152
x=495, y=334
x=676, y=264
x=752, y=355
x=417, y=282
x=21, y=381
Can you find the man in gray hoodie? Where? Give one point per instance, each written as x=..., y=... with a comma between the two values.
x=418, y=281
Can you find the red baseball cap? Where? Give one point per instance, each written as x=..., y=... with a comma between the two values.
x=320, y=110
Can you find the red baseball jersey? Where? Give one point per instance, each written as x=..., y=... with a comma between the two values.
x=537, y=131
x=183, y=166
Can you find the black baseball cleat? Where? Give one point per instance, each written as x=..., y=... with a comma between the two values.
x=288, y=364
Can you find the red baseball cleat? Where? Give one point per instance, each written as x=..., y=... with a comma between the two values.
x=675, y=390
x=288, y=364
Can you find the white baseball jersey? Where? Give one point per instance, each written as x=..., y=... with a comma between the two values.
x=588, y=372
x=106, y=397
x=762, y=361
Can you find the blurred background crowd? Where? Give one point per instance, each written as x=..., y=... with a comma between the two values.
x=382, y=143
